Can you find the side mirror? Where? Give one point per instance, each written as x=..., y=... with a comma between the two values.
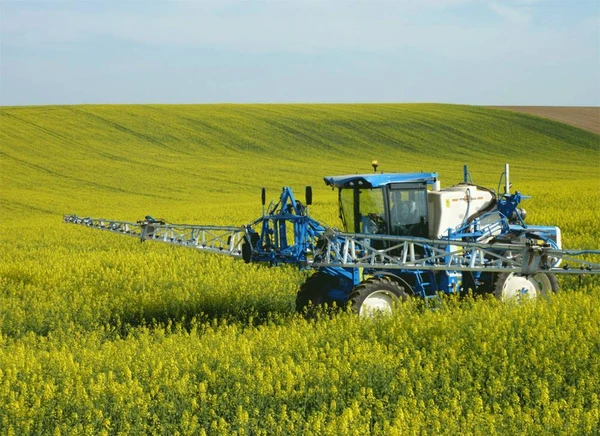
x=263, y=196
x=308, y=195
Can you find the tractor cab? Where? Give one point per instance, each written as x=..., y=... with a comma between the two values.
x=382, y=203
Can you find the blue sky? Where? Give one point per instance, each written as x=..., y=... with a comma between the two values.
x=502, y=52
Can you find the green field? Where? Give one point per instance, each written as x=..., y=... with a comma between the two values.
x=100, y=333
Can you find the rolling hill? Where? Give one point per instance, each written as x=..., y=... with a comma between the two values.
x=127, y=158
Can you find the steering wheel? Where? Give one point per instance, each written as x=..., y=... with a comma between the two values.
x=376, y=223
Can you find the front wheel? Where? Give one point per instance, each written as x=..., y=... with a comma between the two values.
x=377, y=294
x=513, y=286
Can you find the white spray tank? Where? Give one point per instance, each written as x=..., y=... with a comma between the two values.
x=451, y=207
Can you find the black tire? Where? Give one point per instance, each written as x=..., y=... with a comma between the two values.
x=378, y=289
x=248, y=247
x=535, y=285
x=314, y=293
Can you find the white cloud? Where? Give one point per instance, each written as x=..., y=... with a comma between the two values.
x=514, y=14
x=293, y=27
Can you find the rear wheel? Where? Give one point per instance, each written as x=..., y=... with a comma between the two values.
x=513, y=286
x=377, y=294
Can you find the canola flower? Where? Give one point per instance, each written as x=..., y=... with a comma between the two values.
x=100, y=334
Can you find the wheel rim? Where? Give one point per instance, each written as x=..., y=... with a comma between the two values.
x=377, y=302
x=517, y=287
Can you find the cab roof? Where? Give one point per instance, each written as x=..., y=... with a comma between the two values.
x=377, y=180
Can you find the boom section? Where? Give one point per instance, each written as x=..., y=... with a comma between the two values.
x=225, y=240
x=285, y=233
x=382, y=252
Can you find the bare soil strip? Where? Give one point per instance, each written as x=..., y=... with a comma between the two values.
x=587, y=118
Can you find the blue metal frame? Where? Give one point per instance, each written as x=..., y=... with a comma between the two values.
x=274, y=243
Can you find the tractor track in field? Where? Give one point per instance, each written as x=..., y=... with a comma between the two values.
x=586, y=118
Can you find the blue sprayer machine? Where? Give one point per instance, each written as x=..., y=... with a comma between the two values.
x=403, y=236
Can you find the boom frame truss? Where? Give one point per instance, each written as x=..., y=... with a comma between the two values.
x=410, y=253
x=225, y=240
x=331, y=248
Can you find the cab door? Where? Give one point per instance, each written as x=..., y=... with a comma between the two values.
x=407, y=204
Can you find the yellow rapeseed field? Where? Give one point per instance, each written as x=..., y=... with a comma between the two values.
x=100, y=334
